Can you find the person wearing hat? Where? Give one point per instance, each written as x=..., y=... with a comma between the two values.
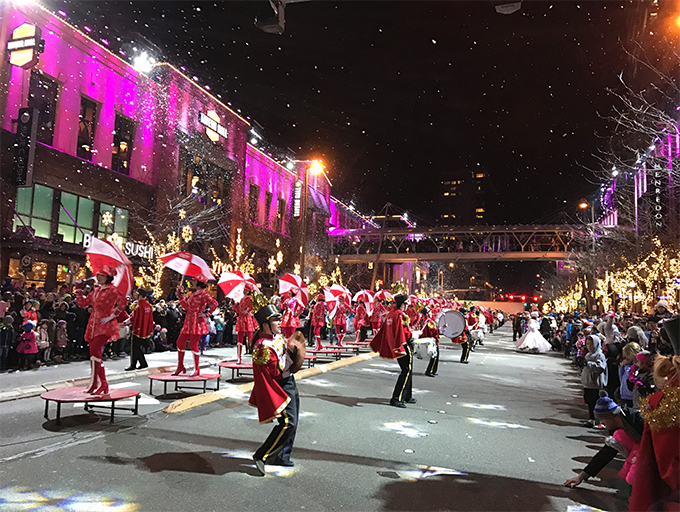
x=661, y=310
x=142, y=329
x=102, y=326
x=275, y=394
x=614, y=418
x=361, y=322
x=394, y=341
x=319, y=319
x=430, y=331
x=194, y=322
x=377, y=314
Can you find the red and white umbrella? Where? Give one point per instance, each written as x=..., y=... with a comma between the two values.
x=187, y=264
x=413, y=299
x=365, y=296
x=383, y=295
x=295, y=284
x=337, y=290
x=233, y=284
x=104, y=252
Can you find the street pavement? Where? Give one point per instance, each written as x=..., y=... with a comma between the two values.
x=501, y=433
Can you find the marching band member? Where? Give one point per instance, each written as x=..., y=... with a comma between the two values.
x=102, y=326
x=472, y=324
x=394, y=341
x=464, y=341
x=430, y=331
x=195, y=325
x=275, y=394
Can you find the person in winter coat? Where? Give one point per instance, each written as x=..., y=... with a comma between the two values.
x=6, y=340
x=630, y=352
x=593, y=375
x=641, y=377
x=27, y=348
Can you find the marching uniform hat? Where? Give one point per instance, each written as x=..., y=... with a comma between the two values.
x=400, y=299
x=264, y=310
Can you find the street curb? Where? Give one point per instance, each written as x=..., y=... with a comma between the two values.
x=191, y=402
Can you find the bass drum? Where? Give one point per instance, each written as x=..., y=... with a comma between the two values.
x=451, y=323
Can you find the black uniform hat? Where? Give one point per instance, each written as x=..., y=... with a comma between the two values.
x=267, y=313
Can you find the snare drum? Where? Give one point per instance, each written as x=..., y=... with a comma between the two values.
x=451, y=323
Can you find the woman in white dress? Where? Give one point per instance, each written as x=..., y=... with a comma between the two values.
x=533, y=341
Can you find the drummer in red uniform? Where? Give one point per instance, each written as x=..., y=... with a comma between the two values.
x=319, y=319
x=102, y=326
x=245, y=323
x=394, y=341
x=194, y=323
x=275, y=394
x=430, y=331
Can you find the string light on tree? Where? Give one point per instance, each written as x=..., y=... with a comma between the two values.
x=187, y=234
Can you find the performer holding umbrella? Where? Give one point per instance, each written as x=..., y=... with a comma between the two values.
x=114, y=281
x=195, y=325
x=238, y=285
x=295, y=304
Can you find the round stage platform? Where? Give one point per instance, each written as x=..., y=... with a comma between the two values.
x=184, y=377
x=80, y=395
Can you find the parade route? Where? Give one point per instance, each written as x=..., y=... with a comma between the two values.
x=501, y=433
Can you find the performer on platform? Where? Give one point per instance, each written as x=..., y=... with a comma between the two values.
x=275, y=394
x=394, y=341
x=292, y=308
x=245, y=323
x=430, y=331
x=377, y=315
x=142, y=329
x=319, y=319
x=195, y=325
x=340, y=318
x=102, y=326
x=361, y=322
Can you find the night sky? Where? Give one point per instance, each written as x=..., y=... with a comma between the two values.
x=392, y=94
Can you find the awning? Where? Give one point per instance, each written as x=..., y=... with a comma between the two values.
x=317, y=202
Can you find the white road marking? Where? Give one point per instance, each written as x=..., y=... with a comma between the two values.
x=45, y=450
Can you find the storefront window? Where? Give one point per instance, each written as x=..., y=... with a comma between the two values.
x=119, y=218
x=34, y=206
x=42, y=94
x=36, y=276
x=75, y=208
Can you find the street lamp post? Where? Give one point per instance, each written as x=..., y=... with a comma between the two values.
x=316, y=167
x=583, y=205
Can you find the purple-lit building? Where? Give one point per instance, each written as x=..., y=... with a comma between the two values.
x=118, y=145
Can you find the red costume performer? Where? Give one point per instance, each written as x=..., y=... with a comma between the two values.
x=245, y=323
x=430, y=330
x=656, y=485
x=361, y=319
x=142, y=328
x=102, y=326
x=377, y=316
x=413, y=315
x=393, y=335
x=291, y=316
x=194, y=323
x=319, y=319
x=340, y=319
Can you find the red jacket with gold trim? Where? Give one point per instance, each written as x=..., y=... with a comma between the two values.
x=142, y=319
x=430, y=330
x=270, y=363
x=393, y=335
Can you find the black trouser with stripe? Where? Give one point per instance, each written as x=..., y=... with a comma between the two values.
x=466, y=351
x=279, y=444
x=137, y=352
x=434, y=363
x=402, y=390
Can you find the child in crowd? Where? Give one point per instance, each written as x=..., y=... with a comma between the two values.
x=6, y=340
x=30, y=313
x=27, y=347
x=641, y=377
x=629, y=353
x=43, y=342
x=61, y=340
x=593, y=375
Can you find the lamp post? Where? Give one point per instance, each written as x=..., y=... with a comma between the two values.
x=316, y=167
x=583, y=204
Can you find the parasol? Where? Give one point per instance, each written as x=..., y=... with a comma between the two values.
x=383, y=295
x=187, y=264
x=291, y=282
x=104, y=252
x=233, y=284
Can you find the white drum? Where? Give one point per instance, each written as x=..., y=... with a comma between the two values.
x=451, y=323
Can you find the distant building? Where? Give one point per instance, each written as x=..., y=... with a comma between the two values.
x=462, y=198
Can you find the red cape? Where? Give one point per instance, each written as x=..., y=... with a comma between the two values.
x=267, y=395
x=391, y=337
x=142, y=319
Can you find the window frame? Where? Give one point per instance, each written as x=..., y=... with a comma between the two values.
x=118, y=162
x=86, y=154
x=45, y=116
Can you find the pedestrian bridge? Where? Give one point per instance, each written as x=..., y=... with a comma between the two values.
x=460, y=243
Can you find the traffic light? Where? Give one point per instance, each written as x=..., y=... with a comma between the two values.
x=502, y=296
x=511, y=297
x=535, y=298
x=524, y=298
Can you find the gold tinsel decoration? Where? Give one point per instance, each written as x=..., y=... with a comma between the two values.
x=666, y=414
x=259, y=301
x=261, y=354
x=399, y=288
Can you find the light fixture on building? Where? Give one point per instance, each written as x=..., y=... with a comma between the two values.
x=143, y=62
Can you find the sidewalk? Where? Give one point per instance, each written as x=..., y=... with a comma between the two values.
x=29, y=383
